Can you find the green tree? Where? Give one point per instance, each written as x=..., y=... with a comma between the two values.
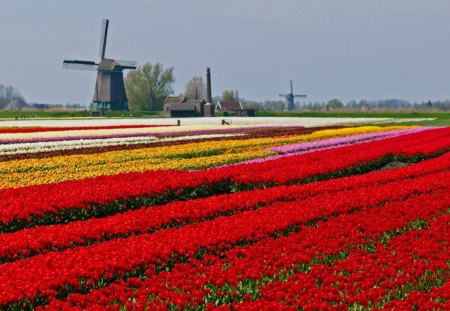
x=148, y=86
x=335, y=104
x=229, y=96
x=252, y=105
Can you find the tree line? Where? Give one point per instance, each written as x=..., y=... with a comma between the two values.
x=7, y=94
x=150, y=84
x=336, y=104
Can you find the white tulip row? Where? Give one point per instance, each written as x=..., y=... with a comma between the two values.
x=87, y=143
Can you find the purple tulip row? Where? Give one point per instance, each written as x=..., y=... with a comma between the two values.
x=129, y=135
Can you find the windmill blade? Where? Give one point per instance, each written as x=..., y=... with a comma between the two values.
x=79, y=65
x=299, y=95
x=283, y=95
x=292, y=88
x=127, y=64
x=104, y=35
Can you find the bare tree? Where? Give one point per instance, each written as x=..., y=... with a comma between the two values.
x=7, y=94
x=195, y=88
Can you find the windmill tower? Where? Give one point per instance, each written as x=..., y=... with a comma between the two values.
x=109, y=87
x=289, y=105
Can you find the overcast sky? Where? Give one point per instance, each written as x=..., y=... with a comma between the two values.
x=346, y=49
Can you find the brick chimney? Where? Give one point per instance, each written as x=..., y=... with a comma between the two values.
x=208, y=108
x=208, y=86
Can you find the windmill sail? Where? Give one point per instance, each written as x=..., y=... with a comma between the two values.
x=127, y=64
x=79, y=65
x=104, y=35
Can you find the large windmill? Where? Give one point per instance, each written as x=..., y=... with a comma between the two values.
x=109, y=88
x=289, y=105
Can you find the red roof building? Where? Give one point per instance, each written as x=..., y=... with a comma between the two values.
x=229, y=106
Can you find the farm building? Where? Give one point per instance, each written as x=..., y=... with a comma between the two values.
x=181, y=107
x=229, y=106
x=234, y=107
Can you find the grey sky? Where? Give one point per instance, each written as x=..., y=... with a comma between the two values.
x=346, y=49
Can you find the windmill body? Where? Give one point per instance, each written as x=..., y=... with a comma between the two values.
x=289, y=104
x=109, y=88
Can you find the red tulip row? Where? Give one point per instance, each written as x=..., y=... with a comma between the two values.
x=436, y=298
x=415, y=259
x=281, y=267
x=331, y=160
x=222, y=278
x=52, y=271
x=32, y=241
x=20, y=204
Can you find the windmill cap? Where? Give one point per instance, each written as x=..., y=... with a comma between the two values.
x=108, y=64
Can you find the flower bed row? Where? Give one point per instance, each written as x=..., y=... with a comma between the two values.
x=95, y=143
x=436, y=297
x=12, y=130
x=296, y=149
x=116, y=132
x=187, y=156
x=418, y=259
x=431, y=141
x=29, y=137
x=22, y=204
x=168, y=140
x=49, y=272
x=288, y=246
x=342, y=141
x=33, y=241
x=239, y=273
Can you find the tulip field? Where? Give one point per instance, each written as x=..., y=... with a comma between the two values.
x=162, y=217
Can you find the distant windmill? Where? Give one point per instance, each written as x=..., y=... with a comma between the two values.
x=289, y=105
x=109, y=88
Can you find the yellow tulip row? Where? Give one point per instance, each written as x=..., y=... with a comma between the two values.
x=196, y=155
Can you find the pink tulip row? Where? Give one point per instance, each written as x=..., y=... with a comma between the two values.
x=343, y=141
